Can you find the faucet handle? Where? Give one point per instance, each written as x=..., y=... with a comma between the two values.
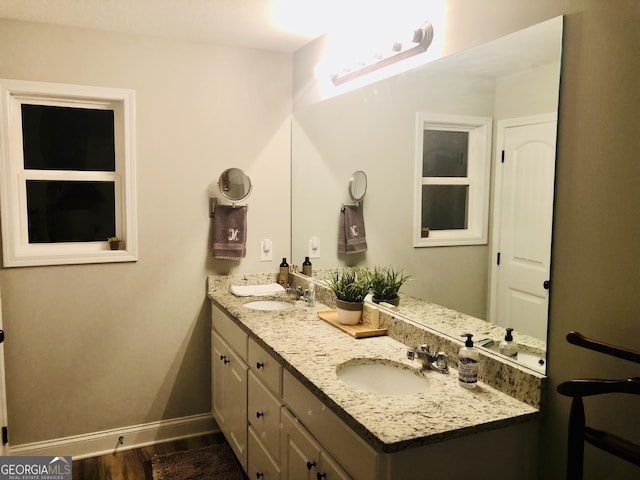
x=412, y=354
x=424, y=348
x=442, y=361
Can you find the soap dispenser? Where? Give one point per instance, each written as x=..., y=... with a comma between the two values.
x=307, y=267
x=283, y=275
x=507, y=346
x=468, y=358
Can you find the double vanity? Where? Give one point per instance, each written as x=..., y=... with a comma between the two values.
x=294, y=397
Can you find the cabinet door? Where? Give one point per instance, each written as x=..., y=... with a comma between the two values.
x=261, y=466
x=303, y=457
x=330, y=470
x=229, y=396
x=218, y=354
x=300, y=454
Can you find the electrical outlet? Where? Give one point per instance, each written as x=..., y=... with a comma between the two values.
x=266, y=250
x=314, y=247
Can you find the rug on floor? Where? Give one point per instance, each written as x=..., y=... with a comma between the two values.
x=212, y=462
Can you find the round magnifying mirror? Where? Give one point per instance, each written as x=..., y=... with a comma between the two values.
x=234, y=184
x=358, y=185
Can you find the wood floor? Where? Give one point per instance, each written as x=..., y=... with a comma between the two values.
x=135, y=464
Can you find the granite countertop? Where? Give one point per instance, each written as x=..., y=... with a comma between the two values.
x=311, y=349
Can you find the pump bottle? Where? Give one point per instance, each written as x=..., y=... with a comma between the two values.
x=283, y=275
x=468, y=358
x=507, y=346
x=307, y=267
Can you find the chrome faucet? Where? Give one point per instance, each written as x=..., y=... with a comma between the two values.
x=308, y=295
x=438, y=361
x=296, y=291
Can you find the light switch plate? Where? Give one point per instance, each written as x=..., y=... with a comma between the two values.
x=314, y=247
x=266, y=250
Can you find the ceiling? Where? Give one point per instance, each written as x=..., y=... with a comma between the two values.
x=281, y=25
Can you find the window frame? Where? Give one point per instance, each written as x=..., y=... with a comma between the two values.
x=478, y=179
x=17, y=251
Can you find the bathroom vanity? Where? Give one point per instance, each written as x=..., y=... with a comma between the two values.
x=278, y=400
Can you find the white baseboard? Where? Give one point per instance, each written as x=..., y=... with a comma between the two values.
x=107, y=441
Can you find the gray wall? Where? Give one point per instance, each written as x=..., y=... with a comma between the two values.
x=96, y=347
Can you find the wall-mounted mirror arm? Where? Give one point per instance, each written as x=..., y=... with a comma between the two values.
x=357, y=188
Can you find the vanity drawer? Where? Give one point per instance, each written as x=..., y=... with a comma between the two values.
x=346, y=446
x=264, y=415
x=261, y=465
x=230, y=331
x=265, y=367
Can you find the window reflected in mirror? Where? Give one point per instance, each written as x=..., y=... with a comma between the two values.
x=452, y=184
x=445, y=153
x=444, y=207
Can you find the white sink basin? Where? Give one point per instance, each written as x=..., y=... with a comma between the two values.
x=388, y=378
x=268, y=305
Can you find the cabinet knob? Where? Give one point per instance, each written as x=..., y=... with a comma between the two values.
x=224, y=359
x=259, y=475
x=320, y=476
x=259, y=365
x=310, y=465
x=259, y=414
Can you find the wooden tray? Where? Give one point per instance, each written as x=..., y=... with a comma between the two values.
x=357, y=331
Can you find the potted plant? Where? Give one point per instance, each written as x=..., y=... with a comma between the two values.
x=114, y=243
x=350, y=287
x=385, y=284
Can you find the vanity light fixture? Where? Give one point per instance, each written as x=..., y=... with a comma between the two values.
x=420, y=42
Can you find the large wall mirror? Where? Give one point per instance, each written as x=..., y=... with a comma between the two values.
x=513, y=80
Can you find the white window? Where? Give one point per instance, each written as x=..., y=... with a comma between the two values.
x=452, y=180
x=67, y=171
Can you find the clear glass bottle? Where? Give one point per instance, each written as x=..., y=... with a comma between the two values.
x=468, y=359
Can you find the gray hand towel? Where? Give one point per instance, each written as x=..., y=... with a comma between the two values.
x=351, y=232
x=229, y=232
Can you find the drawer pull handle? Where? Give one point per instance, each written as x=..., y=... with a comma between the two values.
x=259, y=475
x=259, y=365
x=310, y=465
x=320, y=476
x=259, y=414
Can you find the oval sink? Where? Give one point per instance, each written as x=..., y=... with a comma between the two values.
x=388, y=378
x=267, y=305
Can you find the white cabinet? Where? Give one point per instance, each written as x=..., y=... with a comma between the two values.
x=280, y=430
x=264, y=403
x=229, y=384
x=360, y=460
x=302, y=456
